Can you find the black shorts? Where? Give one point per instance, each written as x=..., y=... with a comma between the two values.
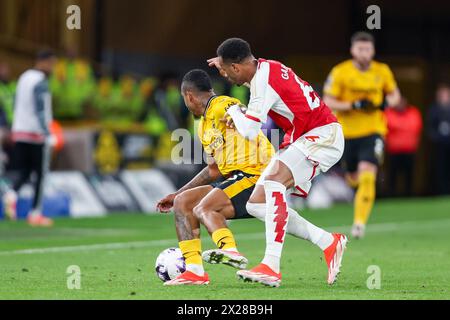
x=369, y=148
x=238, y=187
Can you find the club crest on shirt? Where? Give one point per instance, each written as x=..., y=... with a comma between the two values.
x=241, y=106
x=214, y=138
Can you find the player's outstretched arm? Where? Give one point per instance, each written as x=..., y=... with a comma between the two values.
x=206, y=176
x=166, y=204
x=248, y=128
x=215, y=62
x=337, y=105
x=393, y=98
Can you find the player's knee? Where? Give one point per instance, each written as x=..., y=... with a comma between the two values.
x=199, y=211
x=286, y=181
x=272, y=177
x=280, y=173
x=365, y=166
x=181, y=204
x=274, y=184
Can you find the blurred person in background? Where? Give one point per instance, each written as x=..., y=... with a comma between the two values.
x=31, y=134
x=439, y=134
x=170, y=103
x=103, y=97
x=402, y=142
x=146, y=94
x=128, y=105
x=72, y=85
x=358, y=90
x=155, y=125
x=7, y=92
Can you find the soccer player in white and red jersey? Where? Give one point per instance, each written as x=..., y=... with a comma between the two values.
x=313, y=143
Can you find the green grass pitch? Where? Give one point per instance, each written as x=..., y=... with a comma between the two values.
x=409, y=240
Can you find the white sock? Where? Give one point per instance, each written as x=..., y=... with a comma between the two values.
x=297, y=226
x=10, y=202
x=306, y=230
x=276, y=220
x=196, y=268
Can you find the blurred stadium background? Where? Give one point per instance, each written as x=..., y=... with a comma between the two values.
x=115, y=87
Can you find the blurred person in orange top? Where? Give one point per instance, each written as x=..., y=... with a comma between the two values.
x=402, y=141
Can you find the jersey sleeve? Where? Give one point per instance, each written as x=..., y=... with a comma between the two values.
x=221, y=108
x=333, y=84
x=262, y=97
x=389, y=81
x=42, y=100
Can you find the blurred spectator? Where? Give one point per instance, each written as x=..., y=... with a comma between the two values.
x=153, y=122
x=146, y=90
x=128, y=103
x=151, y=118
x=170, y=103
x=7, y=92
x=103, y=97
x=403, y=138
x=72, y=84
x=439, y=133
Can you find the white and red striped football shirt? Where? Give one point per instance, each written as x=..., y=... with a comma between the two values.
x=292, y=103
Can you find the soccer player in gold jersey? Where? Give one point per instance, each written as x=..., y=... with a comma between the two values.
x=238, y=161
x=358, y=90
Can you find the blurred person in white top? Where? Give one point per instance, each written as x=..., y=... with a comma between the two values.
x=31, y=136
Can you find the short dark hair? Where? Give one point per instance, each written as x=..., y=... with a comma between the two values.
x=362, y=36
x=234, y=50
x=45, y=54
x=196, y=79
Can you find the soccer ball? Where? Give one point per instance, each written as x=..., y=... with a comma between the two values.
x=170, y=264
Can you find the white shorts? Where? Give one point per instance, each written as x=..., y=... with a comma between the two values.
x=314, y=152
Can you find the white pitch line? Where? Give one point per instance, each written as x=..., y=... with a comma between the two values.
x=373, y=228
x=73, y=232
x=91, y=247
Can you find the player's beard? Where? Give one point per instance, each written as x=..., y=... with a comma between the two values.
x=233, y=82
x=238, y=84
x=363, y=64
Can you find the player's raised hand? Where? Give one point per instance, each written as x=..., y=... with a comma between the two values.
x=166, y=204
x=215, y=62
